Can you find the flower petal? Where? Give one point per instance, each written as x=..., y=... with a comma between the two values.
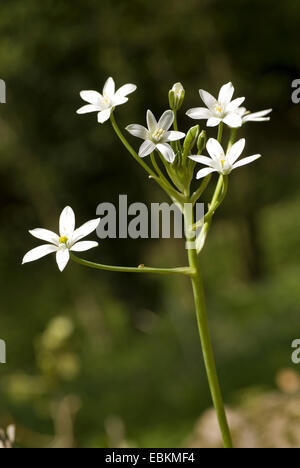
x=67, y=222
x=226, y=93
x=39, y=252
x=109, y=88
x=87, y=109
x=151, y=121
x=258, y=116
x=103, y=116
x=199, y=113
x=208, y=99
x=83, y=246
x=45, y=235
x=84, y=230
x=174, y=136
x=215, y=149
x=213, y=122
x=125, y=90
x=138, y=131
x=204, y=172
x=92, y=97
x=62, y=258
x=118, y=101
x=236, y=150
x=233, y=120
x=166, y=120
x=203, y=160
x=167, y=152
x=247, y=160
x=234, y=105
x=147, y=148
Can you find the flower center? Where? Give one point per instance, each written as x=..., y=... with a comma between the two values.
x=219, y=108
x=106, y=102
x=158, y=134
x=63, y=240
x=223, y=161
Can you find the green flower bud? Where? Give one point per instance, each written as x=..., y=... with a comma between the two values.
x=176, y=96
x=201, y=143
x=191, y=140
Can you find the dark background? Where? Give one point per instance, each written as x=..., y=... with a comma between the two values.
x=97, y=359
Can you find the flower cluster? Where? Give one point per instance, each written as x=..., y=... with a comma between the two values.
x=159, y=137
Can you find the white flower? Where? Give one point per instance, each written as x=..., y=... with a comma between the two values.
x=219, y=110
x=221, y=162
x=105, y=103
x=247, y=116
x=157, y=135
x=68, y=239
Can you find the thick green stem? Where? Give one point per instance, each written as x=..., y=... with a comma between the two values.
x=141, y=269
x=204, y=333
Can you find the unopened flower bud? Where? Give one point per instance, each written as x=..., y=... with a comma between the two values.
x=176, y=96
x=201, y=143
x=191, y=139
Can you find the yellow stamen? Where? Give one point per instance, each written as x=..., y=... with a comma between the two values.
x=158, y=134
x=63, y=240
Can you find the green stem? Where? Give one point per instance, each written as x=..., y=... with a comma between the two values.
x=232, y=138
x=141, y=269
x=201, y=189
x=220, y=132
x=204, y=333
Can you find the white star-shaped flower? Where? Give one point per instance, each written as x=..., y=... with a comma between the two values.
x=68, y=239
x=219, y=110
x=157, y=135
x=105, y=103
x=221, y=162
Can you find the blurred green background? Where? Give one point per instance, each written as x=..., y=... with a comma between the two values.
x=97, y=359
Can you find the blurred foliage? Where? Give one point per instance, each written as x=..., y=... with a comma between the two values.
x=96, y=359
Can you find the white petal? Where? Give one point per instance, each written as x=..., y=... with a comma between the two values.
x=151, y=121
x=84, y=230
x=245, y=161
x=87, y=109
x=67, y=222
x=109, y=88
x=92, y=97
x=166, y=120
x=213, y=122
x=125, y=90
x=236, y=151
x=203, y=160
x=83, y=246
x=39, y=252
x=226, y=93
x=208, y=99
x=205, y=172
x=199, y=113
x=103, y=116
x=147, y=148
x=167, y=152
x=234, y=105
x=62, y=258
x=45, y=235
x=215, y=149
x=258, y=116
x=138, y=131
x=118, y=101
x=174, y=136
x=233, y=120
